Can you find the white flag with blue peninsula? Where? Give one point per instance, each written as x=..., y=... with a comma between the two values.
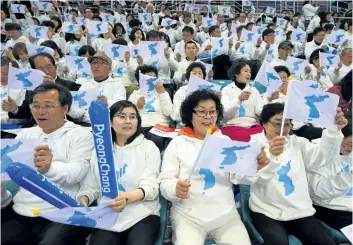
x=78, y=64
x=337, y=37
x=307, y=104
x=196, y=83
x=38, y=32
x=97, y=27
x=298, y=36
x=331, y=60
x=83, y=98
x=168, y=22
x=45, y=6
x=247, y=3
x=152, y=49
x=219, y=46
x=17, y=151
x=281, y=22
x=208, y=22
x=33, y=49
x=116, y=51
x=69, y=27
x=27, y=79
x=258, y=30
x=107, y=18
x=270, y=10
x=101, y=216
x=267, y=80
x=296, y=66
x=68, y=17
x=81, y=21
x=18, y=8
x=145, y=17
x=147, y=84
x=222, y=154
x=224, y=10
x=249, y=37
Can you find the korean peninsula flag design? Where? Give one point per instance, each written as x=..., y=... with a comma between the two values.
x=68, y=17
x=147, y=84
x=101, y=216
x=284, y=179
x=97, y=27
x=267, y=80
x=196, y=83
x=107, y=18
x=224, y=10
x=81, y=21
x=208, y=22
x=145, y=17
x=247, y=3
x=38, y=32
x=45, y=6
x=17, y=151
x=224, y=155
x=281, y=22
x=337, y=37
x=33, y=49
x=152, y=49
x=27, y=79
x=311, y=105
x=270, y=10
x=219, y=46
x=258, y=30
x=116, y=51
x=168, y=22
x=249, y=37
x=329, y=59
x=69, y=27
x=296, y=66
x=18, y=8
x=298, y=36
x=83, y=98
x=78, y=64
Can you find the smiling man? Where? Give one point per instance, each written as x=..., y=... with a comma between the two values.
x=63, y=158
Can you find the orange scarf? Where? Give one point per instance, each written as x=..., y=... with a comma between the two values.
x=190, y=132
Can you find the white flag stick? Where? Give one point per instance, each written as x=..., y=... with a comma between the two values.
x=285, y=106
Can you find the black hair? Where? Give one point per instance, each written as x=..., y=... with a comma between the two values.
x=18, y=48
x=212, y=29
x=97, y=17
x=329, y=27
x=48, y=23
x=286, y=18
x=166, y=39
x=191, y=101
x=269, y=111
x=258, y=20
x=132, y=34
x=35, y=19
x=236, y=68
x=271, y=24
x=153, y=34
x=282, y=68
x=318, y=29
x=117, y=108
x=33, y=57
x=134, y=23
x=315, y=55
x=60, y=23
x=240, y=29
x=306, y=2
x=297, y=14
x=346, y=86
x=192, y=66
x=347, y=130
x=51, y=44
x=74, y=10
x=12, y=27
x=109, y=11
x=5, y=61
x=267, y=32
x=120, y=41
x=70, y=37
x=122, y=27
x=145, y=69
x=323, y=22
x=322, y=15
x=188, y=42
x=86, y=48
x=188, y=29
x=249, y=24
x=65, y=97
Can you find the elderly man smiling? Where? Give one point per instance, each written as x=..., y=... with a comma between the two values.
x=111, y=90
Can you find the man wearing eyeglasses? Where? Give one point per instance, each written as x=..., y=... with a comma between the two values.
x=46, y=64
x=63, y=157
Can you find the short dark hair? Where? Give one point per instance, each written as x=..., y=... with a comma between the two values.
x=191, y=41
x=347, y=130
x=12, y=27
x=282, y=68
x=132, y=34
x=86, y=48
x=33, y=57
x=5, y=61
x=318, y=29
x=117, y=108
x=153, y=34
x=267, y=32
x=271, y=24
x=329, y=27
x=269, y=111
x=315, y=55
x=346, y=86
x=73, y=10
x=192, y=100
x=19, y=48
x=145, y=69
x=60, y=23
x=65, y=97
x=51, y=44
x=188, y=29
x=134, y=23
x=120, y=41
x=121, y=26
x=240, y=29
x=212, y=29
x=97, y=17
x=192, y=66
x=236, y=68
x=48, y=23
x=297, y=14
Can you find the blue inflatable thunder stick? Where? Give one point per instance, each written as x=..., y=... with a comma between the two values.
x=100, y=123
x=41, y=186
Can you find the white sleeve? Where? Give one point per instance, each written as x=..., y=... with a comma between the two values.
x=77, y=162
x=166, y=103
x=230, y=103
x=172, y=63
x=177, y=100
x=117, y=93
x=333, y=74
x=149, y=179
x=170, y=172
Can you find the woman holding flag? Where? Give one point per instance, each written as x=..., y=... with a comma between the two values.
x=203, y=201
x=283, y=206
x=137, y=162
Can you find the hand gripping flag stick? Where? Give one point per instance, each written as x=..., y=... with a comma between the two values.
x=41, y=186
x=100, y=123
